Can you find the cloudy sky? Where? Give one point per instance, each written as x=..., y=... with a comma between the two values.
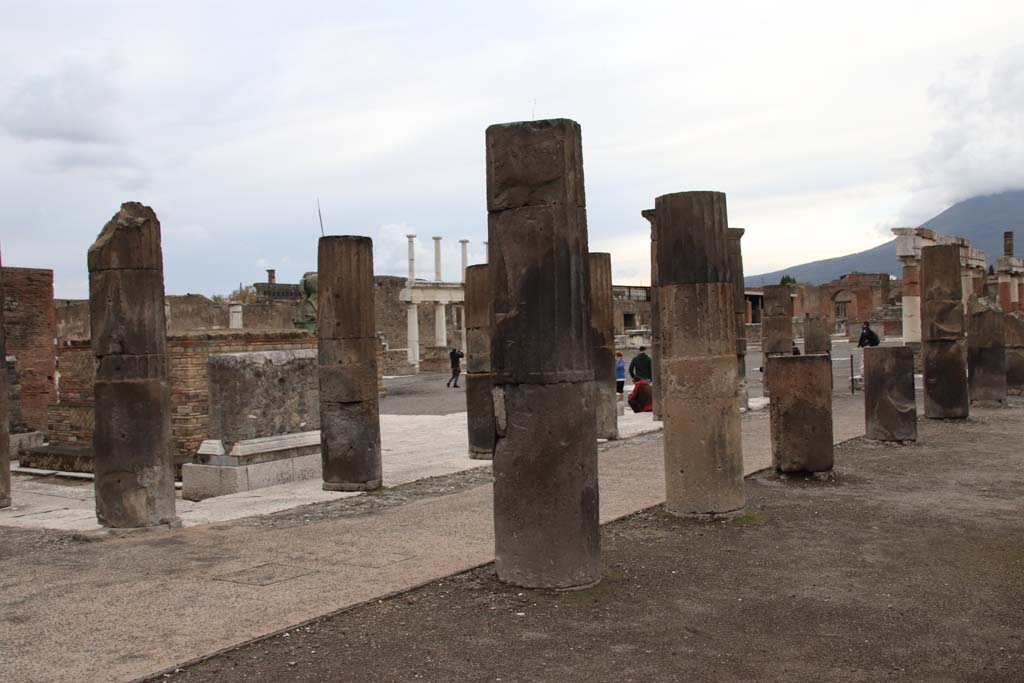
x=826, y=123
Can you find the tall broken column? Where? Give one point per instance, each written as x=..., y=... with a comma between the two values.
x=132, y=462
x=412, y=317
x=703, y=449
x=944, y=351
x=986, y=354
x=651, y=217
x=801, y=413
x=776, y=327
x=602, y=329
x=909, y=242
x=739, y=305
x=817, y=325
x=5, y=438
x=479, y=378
x=890, y=407
x=440, y=317
x=545, y=458
x=347, y=356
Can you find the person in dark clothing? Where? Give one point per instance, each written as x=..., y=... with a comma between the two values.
x=796, y=349
x=641, y=399
x=640, y=366
x=456, y=356
x=867, y=337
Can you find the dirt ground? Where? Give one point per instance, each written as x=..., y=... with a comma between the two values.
x=907, y=565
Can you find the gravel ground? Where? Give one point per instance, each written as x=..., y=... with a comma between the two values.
x=906, y=565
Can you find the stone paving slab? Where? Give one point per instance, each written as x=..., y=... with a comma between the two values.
x=129, y=606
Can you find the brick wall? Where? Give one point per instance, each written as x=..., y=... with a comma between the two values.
x=30, y=325
x=71, y=420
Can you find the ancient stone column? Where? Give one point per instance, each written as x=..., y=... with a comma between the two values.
x=412, y=331
x=5, y=439
x=602, y=329
x=703, y=448
x=942, y=334
x=651, y=217
x=464, y=244
x=801, y=413
x=440, y=325
x=777, y=320
x=545, y=458
x=986, y=354
x=346, y=332
x=1013, y=336
x=817, y=335
x=133, y=465
x=890, y=408
x=739, y=304
x=479, y=378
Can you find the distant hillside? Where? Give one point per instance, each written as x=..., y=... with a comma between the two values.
x=980, y=219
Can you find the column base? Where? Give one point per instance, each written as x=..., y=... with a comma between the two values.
x=352, y=486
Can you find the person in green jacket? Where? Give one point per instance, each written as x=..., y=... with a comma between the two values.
x=640, y=366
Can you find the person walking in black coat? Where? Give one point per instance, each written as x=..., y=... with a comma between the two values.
x=456, y=356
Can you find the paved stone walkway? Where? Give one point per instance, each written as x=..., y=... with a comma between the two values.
x=122, y=608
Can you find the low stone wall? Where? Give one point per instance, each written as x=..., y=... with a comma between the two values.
x=262, y=393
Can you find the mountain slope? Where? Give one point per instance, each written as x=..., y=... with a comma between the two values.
x=980, y=219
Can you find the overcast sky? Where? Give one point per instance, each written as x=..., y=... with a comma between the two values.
x=826, y=123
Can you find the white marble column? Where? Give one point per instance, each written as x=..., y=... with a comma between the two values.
x=413, y=333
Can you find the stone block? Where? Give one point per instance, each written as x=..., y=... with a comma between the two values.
x=133, y=461
x=129, y=367
x=890, y=409
x=817, y=335
x=940, y=273
x=200, y=482
x=986, y=372
x=348, y=383
x=776, y=336
x=126, y=312
x=945, y=379
x=1015, y=370
x=345, y=290
x=262, y=394
x=778, y=301
x=532, y=163
x=702, y=320
x=541, y=310
x=692, y=241
x=546, y=504
x=942, y=320
x=478, y=350
x=480, y=415
x=801, y=413
x=350, y=446
x=130, y=240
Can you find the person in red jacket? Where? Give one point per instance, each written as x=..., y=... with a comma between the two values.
x=641, y=399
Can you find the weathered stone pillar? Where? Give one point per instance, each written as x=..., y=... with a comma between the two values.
x=133, y=467
x=1013, y=336
x=986, y=354
x=602, y=330
x=801, y=413
x=5, y=439
x=776, y=328
x=703, y=448
x=545, y=458
x=651, y=217
x=346, y=331
x=739, y=305
x=412, y=332
x=890, y=408
x=235, y=316
x=942, y=334
x=440, y=325
x=479, y=378
x=817, y=335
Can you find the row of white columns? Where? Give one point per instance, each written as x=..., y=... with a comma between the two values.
x=440, y=318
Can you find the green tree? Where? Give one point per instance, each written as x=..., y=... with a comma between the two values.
x=787, y=280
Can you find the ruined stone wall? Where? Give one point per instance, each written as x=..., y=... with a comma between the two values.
x=195, y=312
x=30, y=325
x=71, y=420
x=640, y=310
x=275, y=315
x=72, y=319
